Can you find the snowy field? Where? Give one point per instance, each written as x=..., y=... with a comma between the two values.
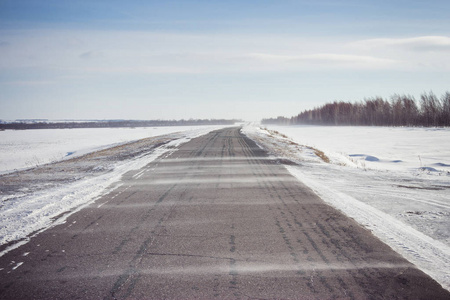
x=393, y=181
x=20, y=149
x=378, y=148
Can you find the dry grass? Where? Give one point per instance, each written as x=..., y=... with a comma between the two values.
x=274, y=132
x=321, y=155
x=317, y=152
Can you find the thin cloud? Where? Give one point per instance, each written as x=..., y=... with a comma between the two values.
x=325, y=59
x=29, y=83
x=142, y=70
x=186, y=53
x=423, y=43
x=91, y=55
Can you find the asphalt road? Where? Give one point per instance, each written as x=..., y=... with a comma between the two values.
x=216, y=219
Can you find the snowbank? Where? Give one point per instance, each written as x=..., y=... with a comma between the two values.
x=405, y=206
x=378, y=148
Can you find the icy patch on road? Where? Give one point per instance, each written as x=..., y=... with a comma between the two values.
x=407, y=209
x=31, y=212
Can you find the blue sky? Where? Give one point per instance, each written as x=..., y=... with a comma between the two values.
x=214, y=59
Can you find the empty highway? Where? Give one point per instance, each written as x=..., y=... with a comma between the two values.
x=216, y=219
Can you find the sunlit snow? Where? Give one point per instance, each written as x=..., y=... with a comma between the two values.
x=21, y=149
x=393, y=181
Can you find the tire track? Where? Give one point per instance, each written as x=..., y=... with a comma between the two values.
x=228, y=222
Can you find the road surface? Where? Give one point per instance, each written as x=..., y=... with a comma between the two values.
x=218, y=218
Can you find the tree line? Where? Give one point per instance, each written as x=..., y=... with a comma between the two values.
x=41, y=124
x=399, y=110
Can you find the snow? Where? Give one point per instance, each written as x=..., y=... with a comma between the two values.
x=380, y=148
x=393, y=181
x=20, y=149
x=36, y=208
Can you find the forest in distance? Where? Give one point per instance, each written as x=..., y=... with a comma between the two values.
x=400, y=110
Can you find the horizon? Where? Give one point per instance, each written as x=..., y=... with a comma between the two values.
x=247, y=60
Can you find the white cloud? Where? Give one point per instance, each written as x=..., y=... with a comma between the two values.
x=140, y=52
x=416, y=53
x=423, y=43
x=141, y=70
x=344, y=60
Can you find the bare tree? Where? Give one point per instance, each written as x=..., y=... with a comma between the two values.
x=401, y=110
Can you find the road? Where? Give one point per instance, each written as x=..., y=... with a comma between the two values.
x=218, y=218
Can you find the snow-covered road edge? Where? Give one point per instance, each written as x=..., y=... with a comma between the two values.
x=429, y=255
x=27, y=216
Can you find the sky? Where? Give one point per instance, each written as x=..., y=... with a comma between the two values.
x=91, y=59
